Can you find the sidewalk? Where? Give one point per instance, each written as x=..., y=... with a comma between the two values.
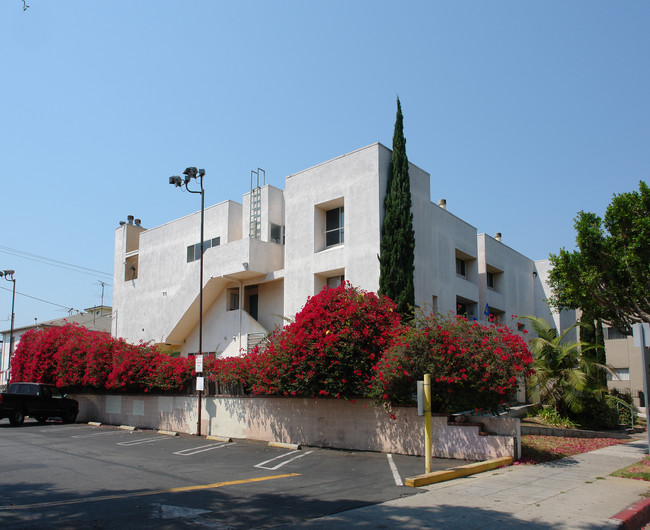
x=575, y=492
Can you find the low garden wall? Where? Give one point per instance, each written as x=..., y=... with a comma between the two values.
x=355, y=424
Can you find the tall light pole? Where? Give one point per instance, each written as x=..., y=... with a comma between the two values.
x=9, y=276
x=196, y=174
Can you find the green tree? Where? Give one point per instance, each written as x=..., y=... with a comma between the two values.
x=397, y=250
x=563, y=372
x=608, y=276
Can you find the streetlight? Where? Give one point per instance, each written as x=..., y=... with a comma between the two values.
x=197, y=174
x=9, y=276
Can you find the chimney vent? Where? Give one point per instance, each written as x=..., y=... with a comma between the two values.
x=130, y=219
x=138, y=222
x=497, y=236
x=442, y=203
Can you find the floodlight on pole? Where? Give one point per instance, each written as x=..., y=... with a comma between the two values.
x=8, y=275
x=177, y=181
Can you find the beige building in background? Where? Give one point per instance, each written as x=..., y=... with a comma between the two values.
x=624, y=358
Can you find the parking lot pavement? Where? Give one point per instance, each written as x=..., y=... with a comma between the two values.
x=105, y=476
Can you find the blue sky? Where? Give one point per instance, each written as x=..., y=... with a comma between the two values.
x=523, y=113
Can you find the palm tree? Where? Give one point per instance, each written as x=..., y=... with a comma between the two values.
x=562, y=375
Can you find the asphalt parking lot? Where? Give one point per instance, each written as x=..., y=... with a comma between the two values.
x=83, y=476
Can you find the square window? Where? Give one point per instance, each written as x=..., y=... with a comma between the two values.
x=334, y=281
x=276, y=234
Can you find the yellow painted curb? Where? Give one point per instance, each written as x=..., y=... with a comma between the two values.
x=284, y=446
x=457, y=472
x=168, y=433
x=127, y=427
x=95, y=423
x=219, y=438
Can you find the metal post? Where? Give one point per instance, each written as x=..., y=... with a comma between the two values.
x=6, y=275
x=427, y=423
x=193, y=173
x=198, y=426
x=640, y=328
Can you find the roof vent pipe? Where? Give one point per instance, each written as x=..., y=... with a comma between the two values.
x=130, y=219
x=138, y=222
x=497, y=236
x=442, y=203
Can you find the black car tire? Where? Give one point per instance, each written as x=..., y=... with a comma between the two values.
x=71, y=415
x=17, y=417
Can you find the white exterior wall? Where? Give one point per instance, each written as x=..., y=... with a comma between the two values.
x=514, y=280
x=562, y=320
x=161, y=304
x=353, y=181
x=438, y=240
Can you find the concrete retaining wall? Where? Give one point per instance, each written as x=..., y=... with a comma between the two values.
x=355, y=425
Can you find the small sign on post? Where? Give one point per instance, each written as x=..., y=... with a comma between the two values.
x=199, y=383
x=198, y=364
x=424, y=409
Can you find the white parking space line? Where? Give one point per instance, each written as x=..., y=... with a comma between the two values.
x=145, y=440
x=262, y=465
x=194, y=450
x=393, y=468
x=61, y=429
x=104, y=433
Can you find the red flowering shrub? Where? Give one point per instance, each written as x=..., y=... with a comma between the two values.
x=329, y=349
x=99, y=358
x=73, y=356
x=472, y=365
x=233, y=375
x=34, y=358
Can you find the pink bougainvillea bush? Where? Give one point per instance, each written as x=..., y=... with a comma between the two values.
x=330, y=347
x=472, y=365
x=72, y=356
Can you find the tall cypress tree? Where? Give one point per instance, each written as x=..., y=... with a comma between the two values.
x=397, y=250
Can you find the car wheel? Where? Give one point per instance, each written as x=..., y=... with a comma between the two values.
x=70, y=415
x=17, y=418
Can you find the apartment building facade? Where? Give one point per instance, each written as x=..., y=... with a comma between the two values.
x=265, y=256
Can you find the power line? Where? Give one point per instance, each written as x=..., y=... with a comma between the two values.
x=53, y=262
x=67, y=308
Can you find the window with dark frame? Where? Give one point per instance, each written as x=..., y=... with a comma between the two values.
x=334, y=223
x=277, y=234
x=461, y=267
x=334, y=281
x=613, y=334
x=194, y=251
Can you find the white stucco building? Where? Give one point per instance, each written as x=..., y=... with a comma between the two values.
x=270, y=252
